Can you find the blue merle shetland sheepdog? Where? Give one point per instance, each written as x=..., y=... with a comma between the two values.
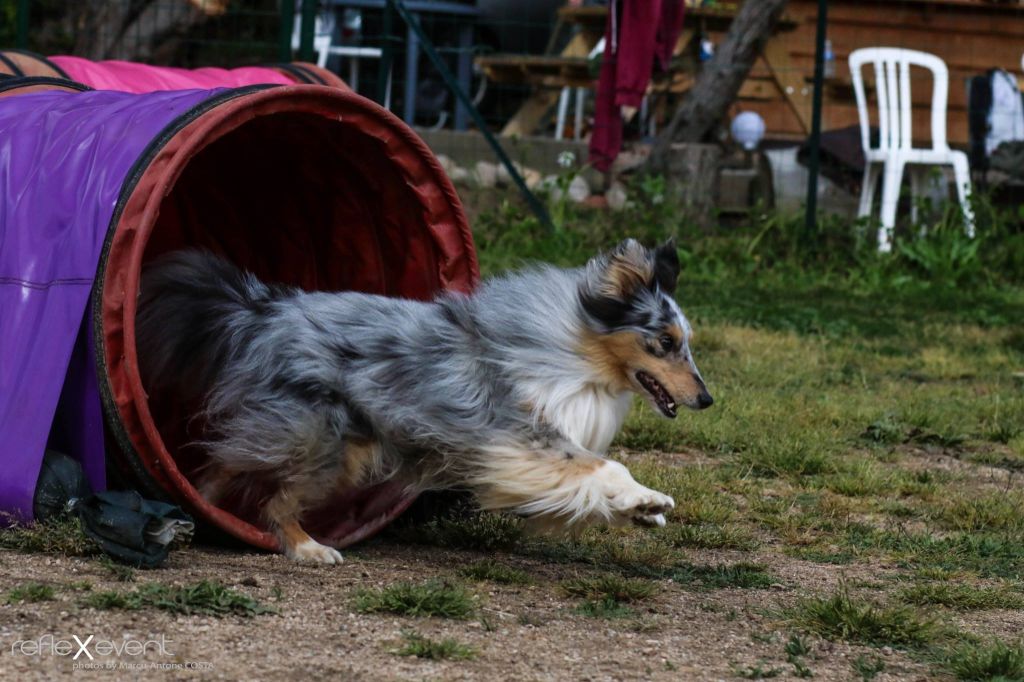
x=513, y=392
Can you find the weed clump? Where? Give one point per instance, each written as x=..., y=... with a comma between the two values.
x=432, y=598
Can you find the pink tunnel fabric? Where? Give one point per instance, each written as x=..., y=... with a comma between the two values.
x=141, y=78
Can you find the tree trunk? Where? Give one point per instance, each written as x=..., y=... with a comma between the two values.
x=137, y=29
x=719, y=80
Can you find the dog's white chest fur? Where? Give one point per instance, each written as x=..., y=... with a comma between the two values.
x=589, y=417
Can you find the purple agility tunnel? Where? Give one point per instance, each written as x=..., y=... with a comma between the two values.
x=305, y=185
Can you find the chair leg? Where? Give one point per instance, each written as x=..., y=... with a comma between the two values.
x=353, y=73
x=916, y=187
x=962, y=176
x=892, y=177
x=563, y=112
x=867, y=189
x=581, y=102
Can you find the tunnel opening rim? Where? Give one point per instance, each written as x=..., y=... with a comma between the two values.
x=157, y=473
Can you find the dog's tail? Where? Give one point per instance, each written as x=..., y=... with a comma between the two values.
x=194, y=309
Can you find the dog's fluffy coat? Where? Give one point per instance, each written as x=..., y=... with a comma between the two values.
x=512, y=392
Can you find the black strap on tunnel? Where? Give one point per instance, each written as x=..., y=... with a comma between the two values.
x=300, y=74
x=312, y=74
x=44, y=60
x=26, y=81
x=9, y=63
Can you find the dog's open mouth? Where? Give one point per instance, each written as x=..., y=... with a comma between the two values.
x=661, y=397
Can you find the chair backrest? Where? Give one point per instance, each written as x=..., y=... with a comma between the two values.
x=892, y=87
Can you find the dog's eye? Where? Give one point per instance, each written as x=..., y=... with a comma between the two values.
x=667, y=342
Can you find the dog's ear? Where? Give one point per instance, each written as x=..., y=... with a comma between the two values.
x=624, y=270
x=666, y=266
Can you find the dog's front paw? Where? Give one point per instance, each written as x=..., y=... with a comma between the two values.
x=646, y=508
x=311, y=551
x=632, y=503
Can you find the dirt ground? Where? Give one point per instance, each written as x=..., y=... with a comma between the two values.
x=521, y=632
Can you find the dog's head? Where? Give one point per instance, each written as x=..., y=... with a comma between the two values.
x=636, y=336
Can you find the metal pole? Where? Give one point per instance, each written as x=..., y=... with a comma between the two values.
x=412, y=75
x=387, y=52
x=284, y=51
x=811, y=219
x=21, y=35
x=453, y=85
x=306, y=30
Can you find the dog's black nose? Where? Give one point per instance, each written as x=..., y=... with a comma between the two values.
x=704, y=400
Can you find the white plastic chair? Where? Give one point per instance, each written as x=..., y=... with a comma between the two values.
x=895, y=149
x=323, y=45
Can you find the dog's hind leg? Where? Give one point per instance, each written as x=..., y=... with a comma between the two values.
x=566, y=485
x=327, y=475
x=283, y=512
x=214, y=483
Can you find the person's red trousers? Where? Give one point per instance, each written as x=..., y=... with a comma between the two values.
x=636, y=32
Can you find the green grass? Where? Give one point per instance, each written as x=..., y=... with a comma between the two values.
x=867, y=667
x=995, y=512
x=962, y=597
x=476, y=531
x=420, y=646
x=742, y=575
x=203, y=598
x=608, y=587
x=709, y=536
x=823, y=556
x=994, y=660
x=603, y=608
x=627, y=551
x=495, y=572
x=759, y=672
x=797, y=646
x=120, y=572
x=608, y=595
x=990, y=555
x=431, y=598
x=31, y=593
x=58, y=536
x=849, y=618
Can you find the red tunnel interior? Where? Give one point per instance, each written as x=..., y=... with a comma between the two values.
x=319, y=189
